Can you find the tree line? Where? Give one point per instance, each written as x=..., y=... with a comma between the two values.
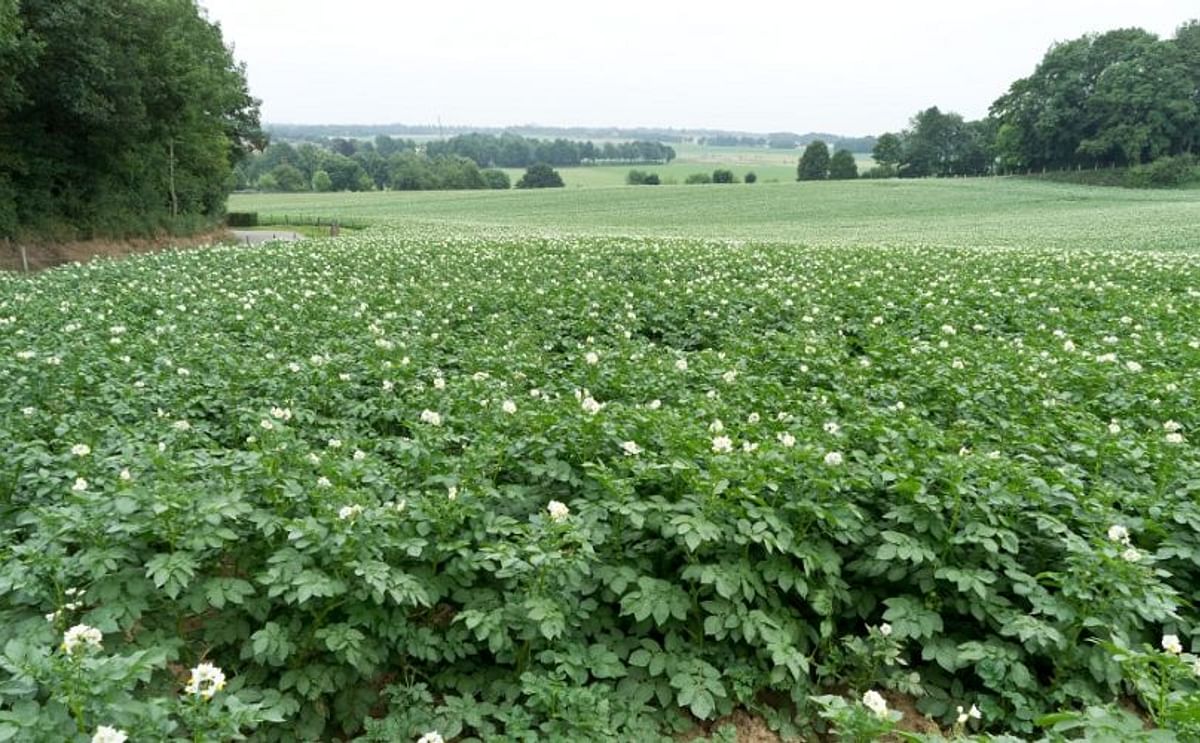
x=468, y=161
x=117, y=117
x=1116, y=99
x=514, y=151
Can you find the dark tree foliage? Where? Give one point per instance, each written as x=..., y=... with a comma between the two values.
x=751, y=177
x=117, y=117
x=943, y=144
x=642, y=178
x=842, y=166
x=1119, y=98
x=888, y=150
x=721, y=175
x=403, y=164
x=540, y=175
x=513, y=151
x=496, y=179
x=814, y=163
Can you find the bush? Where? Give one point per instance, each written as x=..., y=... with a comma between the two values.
x=496, y=179
x=695, y=178
x=720, y=175
x=642, y=178
x=540, y=175
x=751, y=177
x=1165, y=172
x=880, y=171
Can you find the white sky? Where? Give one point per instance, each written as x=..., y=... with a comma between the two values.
x=842, y=67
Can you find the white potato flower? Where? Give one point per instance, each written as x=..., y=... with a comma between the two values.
x=558, y=511
x=107, y=734
x=81, y=636
x=1118, y=533
x=875, y=702
x=833, y=458
x=205, y=681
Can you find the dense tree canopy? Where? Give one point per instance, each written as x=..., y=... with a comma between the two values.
x=513, y=151
x=456, y=163
x=117, y=116
x=1118, y=98
x=842, y=166
x=888, y=150
x=814, y=163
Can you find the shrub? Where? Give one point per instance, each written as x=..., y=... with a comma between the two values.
x=721, y=175
x=751, y=177
x=540, y=175
x=642, y=178
x=1165, y=172
x=880, y=171
x=496, y=179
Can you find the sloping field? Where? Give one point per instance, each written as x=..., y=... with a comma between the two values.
x=966, y=212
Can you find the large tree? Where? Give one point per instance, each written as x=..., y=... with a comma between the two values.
x=942, y=144
x=118, y=116
x=888, y=150
x=1117, y=98
x=814, y=163
x=842, y=166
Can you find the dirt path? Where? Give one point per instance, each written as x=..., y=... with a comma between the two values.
x=258, y=237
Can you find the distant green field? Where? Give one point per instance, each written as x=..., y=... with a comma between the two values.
x=975, y=212
x=770, y=166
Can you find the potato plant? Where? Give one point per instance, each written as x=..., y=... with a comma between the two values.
x=449, y=485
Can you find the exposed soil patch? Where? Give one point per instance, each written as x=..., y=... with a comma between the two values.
x=750, y=729
x=753, y=729
x=43, y=255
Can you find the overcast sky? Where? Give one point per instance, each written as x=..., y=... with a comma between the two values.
x=843, y=67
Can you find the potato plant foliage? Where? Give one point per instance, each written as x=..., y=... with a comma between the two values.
x=522, y=487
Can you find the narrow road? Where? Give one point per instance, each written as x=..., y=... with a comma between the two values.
x=258, y=237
